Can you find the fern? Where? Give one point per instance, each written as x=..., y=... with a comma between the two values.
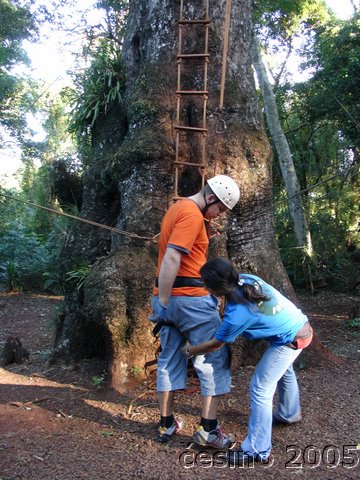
x=98, y=90
x=78, y=275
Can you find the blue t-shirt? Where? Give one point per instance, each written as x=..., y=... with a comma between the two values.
x=276, y=320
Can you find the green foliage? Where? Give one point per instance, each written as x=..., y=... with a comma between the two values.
x=98, y=380
x=59, y=144
x=27, y=252
x=16, y=25
x=98, y=90
x=45, y=354
x=77, y=276
x=334, y=91
x=23, y=256
x=281, y=19
x=16, y=99
x=320, y=120
x=353, y=323
x=136, y=370
x=9, y=275
x=53, y=283
x=36, y=188
x=116, y=13
x=323, y=162
x=101, y=86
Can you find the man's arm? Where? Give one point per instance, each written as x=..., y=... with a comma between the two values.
x=169, y=268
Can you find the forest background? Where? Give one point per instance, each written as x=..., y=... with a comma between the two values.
x=319, y=117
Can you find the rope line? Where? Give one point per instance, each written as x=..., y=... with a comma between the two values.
x=81, y=219
x=153, y=239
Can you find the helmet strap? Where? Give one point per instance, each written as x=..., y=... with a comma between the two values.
x=208, y=205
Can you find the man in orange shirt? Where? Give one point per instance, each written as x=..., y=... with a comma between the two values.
x=187, y=311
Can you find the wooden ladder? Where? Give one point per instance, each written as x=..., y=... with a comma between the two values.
x=180, y=93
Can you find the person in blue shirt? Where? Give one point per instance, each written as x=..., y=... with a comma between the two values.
x=256, y=310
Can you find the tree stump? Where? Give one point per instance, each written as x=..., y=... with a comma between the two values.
x=13, y=352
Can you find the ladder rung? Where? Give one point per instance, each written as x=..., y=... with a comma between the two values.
x=191, y=164
x=193, y=129
x=184, y=21
x=193, y=55
x=191, y=92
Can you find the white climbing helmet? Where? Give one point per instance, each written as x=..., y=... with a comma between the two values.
x=225, y=189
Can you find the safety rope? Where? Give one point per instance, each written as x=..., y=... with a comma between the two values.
x=153, y=239
x=81, y=219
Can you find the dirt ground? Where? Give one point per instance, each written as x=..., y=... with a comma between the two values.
x=61, y=422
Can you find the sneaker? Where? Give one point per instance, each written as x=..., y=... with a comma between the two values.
x=164, y=434
x=239, y=457
x=216, y=438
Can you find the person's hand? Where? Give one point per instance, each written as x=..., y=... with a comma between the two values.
x=185, y=349
x=159, y=313
x=162, y=313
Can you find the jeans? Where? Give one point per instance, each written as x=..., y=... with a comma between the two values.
x=275, y=369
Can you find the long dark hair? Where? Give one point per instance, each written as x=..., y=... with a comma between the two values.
x=221, y=277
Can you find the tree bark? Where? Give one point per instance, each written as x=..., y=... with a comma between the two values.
x=130, y=180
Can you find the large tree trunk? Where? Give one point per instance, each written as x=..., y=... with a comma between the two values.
x=131, y=179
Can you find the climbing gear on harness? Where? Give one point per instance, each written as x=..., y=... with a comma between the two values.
x=159, y=325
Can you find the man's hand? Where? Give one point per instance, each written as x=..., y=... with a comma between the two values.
x=162, y=313
x=159, y=311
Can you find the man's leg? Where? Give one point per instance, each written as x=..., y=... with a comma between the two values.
x=214, y=375
x=210, y=407
x=171, y=376
x=166, y=403
x=199, y=321
x=209, y=432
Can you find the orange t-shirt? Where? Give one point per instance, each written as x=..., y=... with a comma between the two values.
x=183, y=228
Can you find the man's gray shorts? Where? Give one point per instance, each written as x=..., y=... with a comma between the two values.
x=196, y=319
